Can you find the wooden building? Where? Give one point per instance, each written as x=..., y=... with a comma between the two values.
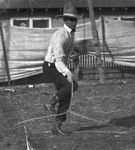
x=42, y=13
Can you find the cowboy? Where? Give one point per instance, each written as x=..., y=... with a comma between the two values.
x=56, y=69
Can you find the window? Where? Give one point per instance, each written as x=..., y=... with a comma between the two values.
x=125, y=18
x=20, y=22
x=31, y=22
x=38, y=23
x=128, y=18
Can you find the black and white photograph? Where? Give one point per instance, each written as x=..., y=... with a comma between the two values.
x=67, y=74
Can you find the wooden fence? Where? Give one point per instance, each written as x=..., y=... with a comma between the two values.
x=88, y=68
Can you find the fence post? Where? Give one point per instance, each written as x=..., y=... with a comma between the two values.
x=103, y=37
x=5, y=54
x=96, y=42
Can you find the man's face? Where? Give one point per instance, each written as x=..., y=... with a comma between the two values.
x=70, y=22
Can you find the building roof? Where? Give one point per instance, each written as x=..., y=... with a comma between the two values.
x=20, y=4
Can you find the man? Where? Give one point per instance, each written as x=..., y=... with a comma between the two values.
x=55, y=66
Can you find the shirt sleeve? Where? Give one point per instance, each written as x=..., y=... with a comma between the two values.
x=61, y=67
x=59, y=42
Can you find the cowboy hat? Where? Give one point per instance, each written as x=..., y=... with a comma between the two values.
x=70, y=11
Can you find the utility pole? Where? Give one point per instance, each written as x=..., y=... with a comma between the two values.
x=5, y=54
x=96, y=42
x=103, y=37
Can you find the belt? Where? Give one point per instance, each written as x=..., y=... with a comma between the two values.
x=50, y=64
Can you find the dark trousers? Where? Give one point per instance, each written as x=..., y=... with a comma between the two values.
x=63, y=88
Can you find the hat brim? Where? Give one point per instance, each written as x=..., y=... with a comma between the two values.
x=72, y=16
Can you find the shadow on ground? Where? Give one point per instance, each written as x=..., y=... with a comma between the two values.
x=127, y=122
x=87, y=128
x=123, y=122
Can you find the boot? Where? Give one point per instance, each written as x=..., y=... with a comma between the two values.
x=51, y=105
x=57, y=128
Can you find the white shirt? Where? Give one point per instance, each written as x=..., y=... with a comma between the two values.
x=60, y=48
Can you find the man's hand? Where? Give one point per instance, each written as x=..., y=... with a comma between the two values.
x=69, y=76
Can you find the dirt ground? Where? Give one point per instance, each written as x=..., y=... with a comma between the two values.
x=102, y=117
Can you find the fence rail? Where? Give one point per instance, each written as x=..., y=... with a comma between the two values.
x=87, y=61
x=88, y=67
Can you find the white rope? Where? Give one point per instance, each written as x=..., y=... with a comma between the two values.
x=68, y=111
x=27, y=141
x=52, y=115
x=76, y=114
x=104, y=132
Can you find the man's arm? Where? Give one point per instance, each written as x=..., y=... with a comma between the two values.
x=61, y=67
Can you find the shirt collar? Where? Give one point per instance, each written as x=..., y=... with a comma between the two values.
x=67, y=28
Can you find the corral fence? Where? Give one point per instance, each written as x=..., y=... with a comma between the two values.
x=85, y=67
